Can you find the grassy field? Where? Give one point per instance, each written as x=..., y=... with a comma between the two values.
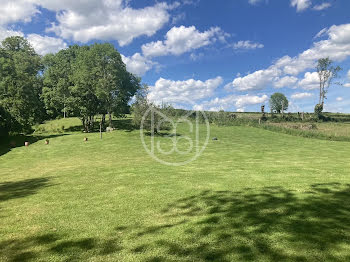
x=253, y=195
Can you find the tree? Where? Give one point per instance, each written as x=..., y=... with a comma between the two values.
x=147, y=114
x=326, y=73
x=57, y=82
x=86, y=81
x=278, y=103
x=114, y=84
x=20, y=84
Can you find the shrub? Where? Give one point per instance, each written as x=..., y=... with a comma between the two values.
x=318, y=111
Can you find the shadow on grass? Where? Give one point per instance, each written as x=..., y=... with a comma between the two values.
x=10, y=142
x=271, y=224
x=266, y=224
x=23, y=188
x=59, y=245
x=163, y=134
x=119, y=124
x=124, y=124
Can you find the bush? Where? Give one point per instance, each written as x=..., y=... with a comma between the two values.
x=318, y=111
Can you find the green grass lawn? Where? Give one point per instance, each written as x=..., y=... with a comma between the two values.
x=253, y=195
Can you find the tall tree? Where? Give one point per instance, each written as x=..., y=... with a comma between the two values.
x=326, y=73
x=57, y=81
x=20, y=83
x=278, y=103
x=88, y=80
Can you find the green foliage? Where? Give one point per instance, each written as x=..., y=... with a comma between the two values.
x=20, y=84
x=318, y=111
x=148, y=115
x=86, y=81
x=276, y=102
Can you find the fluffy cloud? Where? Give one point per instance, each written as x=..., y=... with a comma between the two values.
x=286, y=81
x=310, y=81
x=45, y=44
x=322, y=6
x=171, y=91
x=179, y=40
x=238, y=101
x=255, y=81
x=16, y=10
x=247, y=45
x=42, y=44
x=336, y=47
x=4, y=33
x=110, y=20
x=137, y=64
x=300, y=5
x=301, y=95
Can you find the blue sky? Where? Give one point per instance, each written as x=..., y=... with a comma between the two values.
x=228, y=54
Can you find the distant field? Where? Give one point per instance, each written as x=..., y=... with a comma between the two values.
x=253, y=195
x=326, y=128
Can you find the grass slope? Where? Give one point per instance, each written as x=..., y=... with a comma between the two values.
x=253, y=195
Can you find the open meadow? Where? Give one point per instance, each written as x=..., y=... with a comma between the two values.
x=252, y=195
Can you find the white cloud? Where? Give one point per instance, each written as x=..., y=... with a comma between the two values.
x=255, y=81
x=254, y=2
x=321, y=33
x=301, y=95
x=4, y=33
x=195, y=57
x=86, y=20
x=247, y=45
x=339, y=99
x=336, y=47
x=45, y=44
x=237, y=101
x=16, y=10
x=170, y=91
x=286, y=81
x=310, y=81
x=322, y=6
x=179, y=40
x=137, y=64
x=300, y=5
x=42, y=44
x=349, y=74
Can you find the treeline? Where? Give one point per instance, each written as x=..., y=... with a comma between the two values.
x=81, y=81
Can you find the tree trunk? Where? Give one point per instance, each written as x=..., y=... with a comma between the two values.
x=103, y=119
x=110, y=119
x=101, y=127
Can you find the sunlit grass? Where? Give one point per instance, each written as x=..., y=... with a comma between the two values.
x=251, y=195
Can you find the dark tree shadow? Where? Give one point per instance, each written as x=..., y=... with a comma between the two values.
x=124, y=124
x=270, y=224
x=162, y=134
x=23, y=188
x=119, y=124
x=9, y=142
x=75, y=249
x=255, y=224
